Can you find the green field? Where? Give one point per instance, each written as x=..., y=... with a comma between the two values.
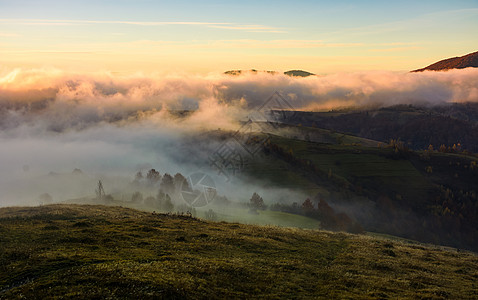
x=233, y=212
x=85, y=251
x=265, y=217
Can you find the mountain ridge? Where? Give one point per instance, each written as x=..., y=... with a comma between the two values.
x=292, y=73
x=459, y=62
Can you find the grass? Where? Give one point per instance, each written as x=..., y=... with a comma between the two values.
x=87, y=251
x=357, y=164
x=374, y=169
x=269, y=170
x=229, y=213
x=265, y=217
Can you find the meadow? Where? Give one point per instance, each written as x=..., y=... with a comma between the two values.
x=91, y=251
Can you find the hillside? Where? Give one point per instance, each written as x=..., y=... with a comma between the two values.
x=417, y=126
x=89, y=251
x=429, y=195
x=466, y=61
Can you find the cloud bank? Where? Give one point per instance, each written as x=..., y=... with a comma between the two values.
x=59, y=101
x=111, y=126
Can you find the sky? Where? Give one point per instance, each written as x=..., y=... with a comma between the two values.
x=208, y=36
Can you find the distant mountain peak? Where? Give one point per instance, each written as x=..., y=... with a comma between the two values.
x=253, y=71
x=461, y=62
x=296, y=73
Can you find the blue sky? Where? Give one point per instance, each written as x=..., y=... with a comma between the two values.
x=208, y=36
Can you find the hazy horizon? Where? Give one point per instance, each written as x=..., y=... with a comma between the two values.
x=127, y=37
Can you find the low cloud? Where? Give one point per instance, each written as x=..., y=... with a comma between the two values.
x=62, y=101
x=110, y=126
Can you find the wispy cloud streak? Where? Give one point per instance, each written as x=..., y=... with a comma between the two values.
x=218, y=25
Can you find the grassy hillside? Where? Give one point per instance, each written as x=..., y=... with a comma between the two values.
x=423, y=195
x=231, y=212
x=84, y=251
x=357, y=165
x=416, y=126
x=264, y=217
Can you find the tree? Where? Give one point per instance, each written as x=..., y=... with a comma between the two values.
x=308, y=208
x=167, y=184
x=308, y=205
x=167, y=205
x=294, y=208
x=164, y=201
x=327, y=215
x=179, y=180
x=137, y=197
x=256, y=202
x=211, y=215
x=160, y=195
x=153, y=177
x=100, y=192
x=138, y=177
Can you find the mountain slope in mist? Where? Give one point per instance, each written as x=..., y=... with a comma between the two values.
x=428, y=195
x=89, y=251
x=461, y=62
x=418, y=126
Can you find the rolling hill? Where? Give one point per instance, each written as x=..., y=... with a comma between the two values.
x=428, y=195
x=86, y=251
x=417, y=126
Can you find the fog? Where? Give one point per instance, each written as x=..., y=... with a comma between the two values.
x=111, y=126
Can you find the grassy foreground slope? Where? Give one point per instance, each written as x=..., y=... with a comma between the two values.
x=86, y=251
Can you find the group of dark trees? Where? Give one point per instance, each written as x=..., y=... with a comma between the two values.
x=166, y=182
x=321, y=210
x=166, y=185
x=453, y=217
x=168, y=189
